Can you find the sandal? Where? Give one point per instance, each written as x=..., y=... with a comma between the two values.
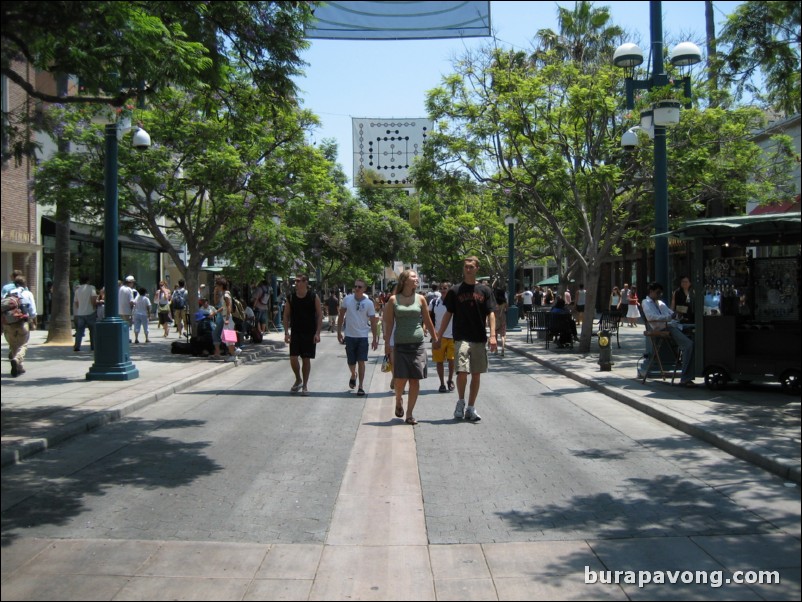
x=361, y=391
x=296, y=387
x=399, y=411
x=351, y=383
x=411, y=421
x=451, y=385
x=305, y=392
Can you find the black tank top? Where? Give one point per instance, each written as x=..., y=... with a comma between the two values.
x=303, y=317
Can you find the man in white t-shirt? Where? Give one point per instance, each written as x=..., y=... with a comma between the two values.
x=360, y=321
x=527, y=299
x=125, y=299
x=85, y=312
x=17, y=329
x=446, y=349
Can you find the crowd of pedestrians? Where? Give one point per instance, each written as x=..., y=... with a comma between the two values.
x=463, y=322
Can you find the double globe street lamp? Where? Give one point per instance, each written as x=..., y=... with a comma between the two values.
x=656, y=119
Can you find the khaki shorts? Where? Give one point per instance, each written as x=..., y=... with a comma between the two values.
x=446, y=351
x=471, y=357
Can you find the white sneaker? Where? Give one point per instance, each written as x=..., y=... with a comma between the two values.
x=237, y=350
x=471, y=415
x=459, y=411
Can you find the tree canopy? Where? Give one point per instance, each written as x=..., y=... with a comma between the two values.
x=764, y=39
x=543, y=137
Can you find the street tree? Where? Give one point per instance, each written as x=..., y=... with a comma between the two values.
x=761, y=54
x=118, y=51
x=220, y=170
x=547, y=136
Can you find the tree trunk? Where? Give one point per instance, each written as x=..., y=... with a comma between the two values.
x=592, y=274
x=60, y=325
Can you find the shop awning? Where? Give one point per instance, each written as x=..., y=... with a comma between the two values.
x=550, y=281
x=782, y=224
x=94, y=234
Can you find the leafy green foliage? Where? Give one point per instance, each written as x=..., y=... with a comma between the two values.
x=765, y=38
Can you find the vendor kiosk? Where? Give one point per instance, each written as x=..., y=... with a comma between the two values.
x=746, y=276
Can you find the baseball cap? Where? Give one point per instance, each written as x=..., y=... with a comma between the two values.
x=130, y=278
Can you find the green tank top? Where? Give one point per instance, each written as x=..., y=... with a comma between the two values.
x=408, y=327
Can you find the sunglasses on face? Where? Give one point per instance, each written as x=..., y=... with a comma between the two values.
x=359, y=286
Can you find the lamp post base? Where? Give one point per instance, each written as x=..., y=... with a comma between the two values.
x=112, y=352
x=512, y=319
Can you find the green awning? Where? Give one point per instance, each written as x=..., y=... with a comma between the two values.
x=550, y=281
x=768, y=225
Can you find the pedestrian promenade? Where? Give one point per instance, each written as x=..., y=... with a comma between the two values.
x=377, y=546
x=53, y=400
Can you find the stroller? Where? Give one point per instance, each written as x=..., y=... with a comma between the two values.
x=248, y=329
x=201, y=339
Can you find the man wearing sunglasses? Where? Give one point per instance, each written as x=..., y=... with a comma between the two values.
x=360, y=320
x=303, y=319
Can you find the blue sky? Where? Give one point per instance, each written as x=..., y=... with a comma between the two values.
x=346, y=79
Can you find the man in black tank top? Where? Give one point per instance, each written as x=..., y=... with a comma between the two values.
x=303, y=319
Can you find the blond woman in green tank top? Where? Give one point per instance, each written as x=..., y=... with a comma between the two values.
x=403, y=315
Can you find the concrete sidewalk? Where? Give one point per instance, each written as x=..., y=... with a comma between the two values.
x=756, y=422
x=377, y=546
x=53, y=401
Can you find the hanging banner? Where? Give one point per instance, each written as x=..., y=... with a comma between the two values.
x=364, y=20
x=384, y=150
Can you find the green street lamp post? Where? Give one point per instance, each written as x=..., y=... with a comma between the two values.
x=277, y=321
x=112, y=347
x=512, y=308
x=629, y=56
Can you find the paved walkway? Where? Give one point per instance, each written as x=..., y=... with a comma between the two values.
x=377, y=548
x=53, y=400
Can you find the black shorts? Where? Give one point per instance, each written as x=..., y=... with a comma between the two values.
x=580, y=308
x=302, y=345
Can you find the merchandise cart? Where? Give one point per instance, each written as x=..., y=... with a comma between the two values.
x=746, y=274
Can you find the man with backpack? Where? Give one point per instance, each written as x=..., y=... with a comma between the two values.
x=178, y=304
x=261, y=305
x=19, y=316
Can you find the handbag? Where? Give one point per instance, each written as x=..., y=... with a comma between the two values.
x=229, y=336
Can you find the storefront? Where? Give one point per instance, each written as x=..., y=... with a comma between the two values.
x=139, y=255
x=746, y=279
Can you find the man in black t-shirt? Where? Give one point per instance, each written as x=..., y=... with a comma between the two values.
x=472, y=305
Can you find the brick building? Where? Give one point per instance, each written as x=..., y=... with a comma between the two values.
x=20, y=242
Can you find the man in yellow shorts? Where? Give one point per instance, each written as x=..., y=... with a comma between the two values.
x=446, y=349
